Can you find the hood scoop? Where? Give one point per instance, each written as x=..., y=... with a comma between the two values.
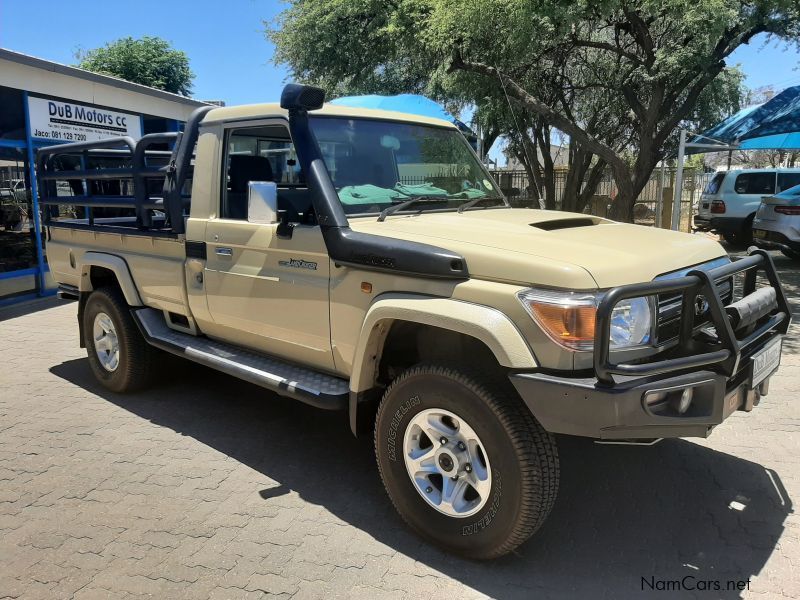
x=565, y=223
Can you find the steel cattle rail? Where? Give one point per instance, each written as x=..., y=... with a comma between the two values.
x=140, y=171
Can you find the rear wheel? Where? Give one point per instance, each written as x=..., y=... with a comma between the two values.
x=733, y=238
x=119, y=356
x=463, y=460
x=743, y=237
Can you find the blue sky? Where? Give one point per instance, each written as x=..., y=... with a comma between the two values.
x=228, y=51
x=225, y=40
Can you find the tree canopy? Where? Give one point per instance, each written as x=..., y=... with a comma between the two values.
x=617, y=76
x=149, y=61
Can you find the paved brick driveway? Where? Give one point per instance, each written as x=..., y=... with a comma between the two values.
x=206, y=487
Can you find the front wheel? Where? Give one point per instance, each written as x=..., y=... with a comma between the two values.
x=463, y=460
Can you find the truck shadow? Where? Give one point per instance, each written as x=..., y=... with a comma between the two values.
x=14, y=311
x=627, y=518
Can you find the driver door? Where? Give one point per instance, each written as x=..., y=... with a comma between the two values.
x=266, y=292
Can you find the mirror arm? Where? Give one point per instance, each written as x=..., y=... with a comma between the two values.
x=285, y=229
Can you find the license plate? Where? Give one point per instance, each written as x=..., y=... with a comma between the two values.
x=759, y=233
x=765, y=362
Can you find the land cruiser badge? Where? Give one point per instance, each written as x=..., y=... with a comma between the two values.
x=296, y=263
x=701, y=305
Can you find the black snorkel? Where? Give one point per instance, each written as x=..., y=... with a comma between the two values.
x=345, y=246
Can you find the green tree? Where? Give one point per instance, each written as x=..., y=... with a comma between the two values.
x=616, y=76
x=149, y=61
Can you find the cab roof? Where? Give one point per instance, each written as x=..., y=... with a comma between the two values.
x=273, y=109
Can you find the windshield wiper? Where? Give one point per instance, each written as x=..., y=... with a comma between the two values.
x=411, y=201
x=476, y=201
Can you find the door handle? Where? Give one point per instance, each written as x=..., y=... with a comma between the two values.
x=224, y=251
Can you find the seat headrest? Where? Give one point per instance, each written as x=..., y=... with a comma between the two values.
x=244, y=168
x=377, y=167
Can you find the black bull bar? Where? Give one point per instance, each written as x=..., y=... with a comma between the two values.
x=755, y=316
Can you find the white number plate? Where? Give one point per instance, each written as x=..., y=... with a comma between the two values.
x=765, y=362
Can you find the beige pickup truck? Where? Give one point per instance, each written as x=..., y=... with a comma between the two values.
x=365, y=261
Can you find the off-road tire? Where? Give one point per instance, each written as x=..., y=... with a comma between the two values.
x=742, y=238
x=523, y=458
x=137, y=367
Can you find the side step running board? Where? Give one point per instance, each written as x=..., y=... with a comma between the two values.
x=304, y=384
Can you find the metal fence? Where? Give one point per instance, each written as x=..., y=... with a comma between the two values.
x=515, y=186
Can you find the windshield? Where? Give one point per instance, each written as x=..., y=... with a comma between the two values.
x=376, y=164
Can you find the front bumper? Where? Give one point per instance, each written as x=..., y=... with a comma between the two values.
x=716, y=361
x=585, y=407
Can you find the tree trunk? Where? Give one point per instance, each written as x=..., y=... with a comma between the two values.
x=549, y=181
x=590, y=187
x=629, y=187
x=622, y=206
x=541, y=133
x=533, y=172
x=579, y=162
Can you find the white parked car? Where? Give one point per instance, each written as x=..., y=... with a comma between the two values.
x=729, y=203
x=777, y=223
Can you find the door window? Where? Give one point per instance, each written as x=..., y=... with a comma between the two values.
x=262, y=153
x=755, y=183
x=715, y=183
x=788, y=180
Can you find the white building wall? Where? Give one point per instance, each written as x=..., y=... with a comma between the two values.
x=51, y=83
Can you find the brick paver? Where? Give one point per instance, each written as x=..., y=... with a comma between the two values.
x=207, y=487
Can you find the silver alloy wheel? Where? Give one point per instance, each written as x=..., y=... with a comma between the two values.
x=106, y=343
x=447, y=462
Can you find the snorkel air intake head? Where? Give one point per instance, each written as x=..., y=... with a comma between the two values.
x=302, y=97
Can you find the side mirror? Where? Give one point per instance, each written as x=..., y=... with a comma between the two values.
x=262, y=202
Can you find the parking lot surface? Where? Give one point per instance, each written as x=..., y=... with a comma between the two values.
x=208, y=487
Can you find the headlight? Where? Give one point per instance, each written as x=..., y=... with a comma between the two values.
x=631, y=323
x=568, y=318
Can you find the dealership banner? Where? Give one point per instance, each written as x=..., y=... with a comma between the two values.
x=71, y=122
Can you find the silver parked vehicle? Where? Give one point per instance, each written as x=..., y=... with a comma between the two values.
x=777, y=223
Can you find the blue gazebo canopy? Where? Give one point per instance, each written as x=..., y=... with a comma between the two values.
x=407, y=103
x=773, y=125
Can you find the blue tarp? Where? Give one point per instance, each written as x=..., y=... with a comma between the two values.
x=780, y=141
x=729, y=130
x=773, y=125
